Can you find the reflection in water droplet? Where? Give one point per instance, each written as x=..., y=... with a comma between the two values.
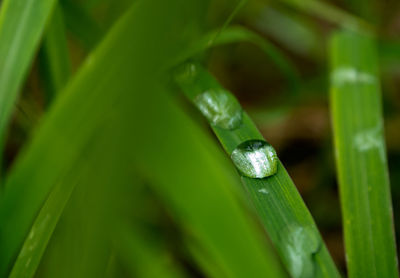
x=347, y=75
x=301, y=245
x=220, y=108
x=186, y=73
x=263, y=191
x=370, y=139
x=255, y=159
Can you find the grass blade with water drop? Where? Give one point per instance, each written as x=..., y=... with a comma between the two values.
x=201, y=196
x=277, y=201
x=361, y=157
x=120, y=64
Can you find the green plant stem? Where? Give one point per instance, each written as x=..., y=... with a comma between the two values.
x=276, y=199
x=22, y=23
x=327, y=11
x=361, y=157
x=55, y=55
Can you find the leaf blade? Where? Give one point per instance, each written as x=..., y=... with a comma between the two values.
x=361, y=157
x=22, y=23
x=278, y=203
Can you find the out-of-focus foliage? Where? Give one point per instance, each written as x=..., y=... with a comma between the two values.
x=109, y=171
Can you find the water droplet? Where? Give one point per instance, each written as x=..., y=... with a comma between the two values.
x=255, y=159
x=301, y=245
x=186, y=73
x=263, y=191
x=369, y=139
x=348, y=75
x=220, y=108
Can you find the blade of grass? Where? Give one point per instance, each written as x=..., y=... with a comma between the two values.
x=237, y=8
x=90, y=34
x=22, y=23
x=330, y=13
x=41, y=231
x=302, y=35
x=238, y=34
x=276, y=199
x=205, y=261
x=68, y=126
x=45, y=222
x=143, y=256
x=196, y=187
x=361, y=157
x=83, y=23
x=55, y=55
x=87, y=223
x=79, y=22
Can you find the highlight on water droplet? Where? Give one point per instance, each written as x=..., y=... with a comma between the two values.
x=348, y=75
x=301, y=244
x=220, y=108
x=186, y=73
x=371, y=138
x=255, y=159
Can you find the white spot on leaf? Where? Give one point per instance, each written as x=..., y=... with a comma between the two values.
x=371, y=139
x=348, y=75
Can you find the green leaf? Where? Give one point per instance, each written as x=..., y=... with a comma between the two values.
x=22, y=23
x=93, y=158
x=81, y=25
x=301, y=36
x=144, y=256
x=113, y=86
x=276, y=199
x=41, y=231
x=331, y=13
x=361, y=157
x=55, y=55
x=187, y=171
x=238, y=34
x=133, y=51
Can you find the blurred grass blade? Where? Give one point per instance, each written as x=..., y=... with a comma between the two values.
x=55, y=55
x=36, y=242
x=125, y=63
x=277, y=201
x=330, y=13
x=103, y=172
x=204, y=260
x=22, y=23
x=85, y=22
x=238, y=7
x=301, y=35
x=131, y=53
x=361, y=157
x=238, y=34
x=197, y=187
x=45, y=222
x=81, y=25
x=144, y=256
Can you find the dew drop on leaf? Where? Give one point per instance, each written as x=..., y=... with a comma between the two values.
x=187, y=73
x=255, y=159
x=301, y=245
x=220, y=108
